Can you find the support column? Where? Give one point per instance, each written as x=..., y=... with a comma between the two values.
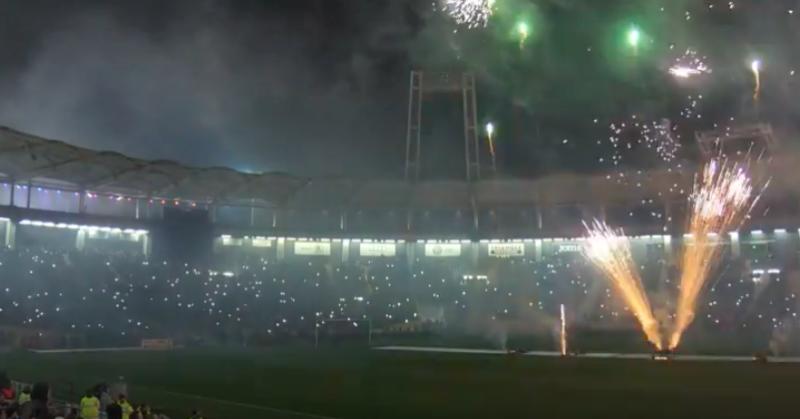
x=539, y=222
x=28, y=199
x=736, y=246
x=252, y=212
x=146, y=246
x=280, y=252
x=11, y=235
x=7, y=233
x=82, y=201
x=80, y=240
x=475, y=249
x=13, y=192
x=345, y=250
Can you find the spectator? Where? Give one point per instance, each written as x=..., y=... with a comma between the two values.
x=105, y=399
x=10, y=412
x=127, y=409
x=72, y=413
x=40, y=397
x=7, y=395
x=24, y=395
x=90, y=406
x=114, y=411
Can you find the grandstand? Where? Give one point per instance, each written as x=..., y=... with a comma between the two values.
x=102, y=251
x=264, y=257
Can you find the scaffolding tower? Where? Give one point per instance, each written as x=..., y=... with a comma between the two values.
x=429, y=83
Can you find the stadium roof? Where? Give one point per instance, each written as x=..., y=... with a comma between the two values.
x=51, y=163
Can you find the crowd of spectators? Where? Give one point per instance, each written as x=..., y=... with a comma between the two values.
x=68, y=298
x=25, y=401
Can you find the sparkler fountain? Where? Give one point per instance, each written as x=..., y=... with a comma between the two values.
x=723, y=196
x=610, y=251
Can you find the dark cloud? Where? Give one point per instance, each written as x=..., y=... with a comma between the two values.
x=258, y=89
x=320, y=86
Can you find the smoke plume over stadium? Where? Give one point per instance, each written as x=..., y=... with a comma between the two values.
x=400, y=208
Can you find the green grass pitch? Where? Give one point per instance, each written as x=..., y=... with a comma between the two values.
x=359, y=383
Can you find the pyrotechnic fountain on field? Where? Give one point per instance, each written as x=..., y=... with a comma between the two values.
x=610, y=251
x=723, y=196
x=563, y=332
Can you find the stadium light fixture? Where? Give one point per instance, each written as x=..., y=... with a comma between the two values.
x=90, y=228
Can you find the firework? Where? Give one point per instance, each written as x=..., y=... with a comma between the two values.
x=755, y=67
x=470, y=13
x=490, y=137
x=610, y=251
x=523, y=31
x=655, y=135
x=563, y=332
x=723, y=196
x=634, y=37
x=688, y=65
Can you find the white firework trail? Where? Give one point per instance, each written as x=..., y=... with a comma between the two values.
x=469, y=13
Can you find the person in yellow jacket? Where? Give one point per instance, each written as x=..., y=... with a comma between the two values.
x=90, y=406
x=24, y=396
x=127, y=409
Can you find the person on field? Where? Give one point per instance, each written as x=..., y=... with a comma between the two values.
x=196, y=414
x=90, y=406
x=127, y=409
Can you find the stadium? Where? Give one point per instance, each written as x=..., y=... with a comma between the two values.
x=105, y=252
x=613, y=230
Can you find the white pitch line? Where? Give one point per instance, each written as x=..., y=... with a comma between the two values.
x=239, y=404
x=595, y=355
x=88, y=350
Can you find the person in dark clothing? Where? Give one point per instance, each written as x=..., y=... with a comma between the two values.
x=73, y=413
x=114, y=411
x=40, y=396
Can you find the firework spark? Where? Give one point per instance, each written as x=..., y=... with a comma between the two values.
x=470, y=13
x=490, y=137
x=723, y=196
x=610, y=251
x=688, y=65
x=563, y=332
x=523, y=31
x=755, y=67
x=655, y=135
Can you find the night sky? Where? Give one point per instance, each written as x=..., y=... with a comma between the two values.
x=319, y=87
